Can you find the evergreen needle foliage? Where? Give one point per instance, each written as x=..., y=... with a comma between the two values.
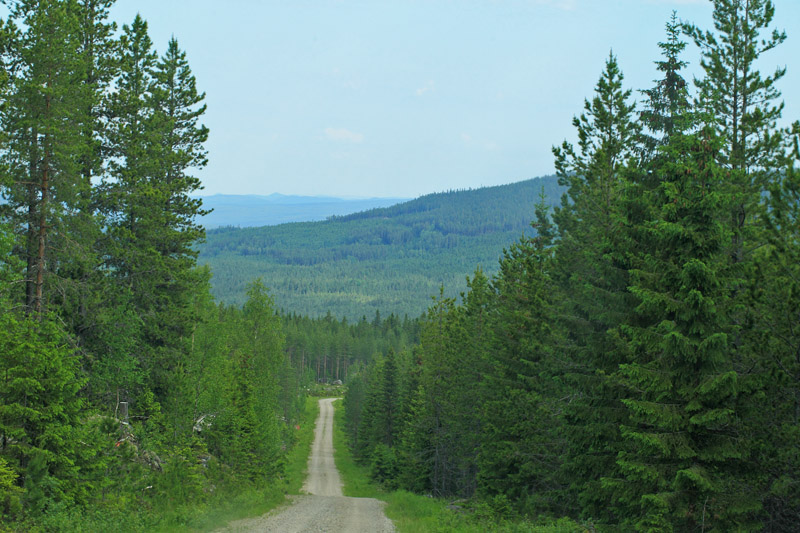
x=634, y=365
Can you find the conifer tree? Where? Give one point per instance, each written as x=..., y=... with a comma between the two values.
x=178, y=108
x=590, y=271
x=428, y=441
x=85, y=309
x=667, y=104
x=42, y=118
x=688, y=466
x=151, y=217
x=775, y=297
x=40, y=408
x=263, y=341
x=744, y=106
x=736, y=99
x=523, y=385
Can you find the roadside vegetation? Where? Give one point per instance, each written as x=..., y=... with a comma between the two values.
x=633, y=366
x=629, y=364
x=228, y=504
x=416, y=513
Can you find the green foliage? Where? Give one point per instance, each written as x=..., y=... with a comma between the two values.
x=39, y=410
x=686, y=447
x=128, y=398
x=524, y=384
x=327, y=349
x=10, y=504
x=775, y=295
x=389, y=260
x=592, y=280
x=412, y=512
x=633, y=364
x=636, y=366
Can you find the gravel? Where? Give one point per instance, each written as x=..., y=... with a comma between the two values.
x=324, y=509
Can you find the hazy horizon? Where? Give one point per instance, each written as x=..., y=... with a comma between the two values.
x=404, y=98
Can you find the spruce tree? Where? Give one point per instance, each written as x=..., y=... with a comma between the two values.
x=522, y=437
x=431, y=444
x=590, y=271
x=775, y=295
x=150, y=215
x=667, y=104
x=688, y=466
x=263, y=342
x=40, y=408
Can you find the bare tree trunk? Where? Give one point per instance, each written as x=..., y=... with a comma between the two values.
x=40, y=256
x=30, y=249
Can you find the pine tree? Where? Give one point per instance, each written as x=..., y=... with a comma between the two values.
x=84, y=285
x=738, y=102
x=42, y=118
x=150, y=215
x=744, y=107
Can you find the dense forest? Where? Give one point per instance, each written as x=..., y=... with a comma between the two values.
x=129, y=399
x=390, y=259
x=634, y=365
x=250, y=210
x=330, y=350
x=629, y=364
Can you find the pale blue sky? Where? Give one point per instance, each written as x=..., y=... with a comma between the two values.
x=407, y=97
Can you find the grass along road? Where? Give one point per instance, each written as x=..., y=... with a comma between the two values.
x=324, y=508
x=415, y=513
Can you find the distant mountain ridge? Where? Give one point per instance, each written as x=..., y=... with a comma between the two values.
x=391, y=259
x=251, y=210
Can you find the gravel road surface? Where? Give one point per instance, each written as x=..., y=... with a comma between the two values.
x=324, y=509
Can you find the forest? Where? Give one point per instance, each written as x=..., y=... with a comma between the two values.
x=129, y=399
x=633, y=365
x=630, y=363
x=390, y=260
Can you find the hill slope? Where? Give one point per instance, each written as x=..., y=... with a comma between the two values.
x=253, y=210
x=389, y=259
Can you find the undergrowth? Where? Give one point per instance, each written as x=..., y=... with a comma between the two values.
x=415, y=513
x=229, y=501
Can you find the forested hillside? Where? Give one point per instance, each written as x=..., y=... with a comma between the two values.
x=390, y=260
x=627, y=362
x=634, y=366
x=249, y=210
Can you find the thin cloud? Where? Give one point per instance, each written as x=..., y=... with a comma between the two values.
x=565, y=5
x=488, y=145
x=429, y=87
x=343, y=135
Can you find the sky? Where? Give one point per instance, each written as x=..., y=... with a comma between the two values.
x=400, y=98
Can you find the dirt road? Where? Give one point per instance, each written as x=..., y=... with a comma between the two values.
x=324, y=509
